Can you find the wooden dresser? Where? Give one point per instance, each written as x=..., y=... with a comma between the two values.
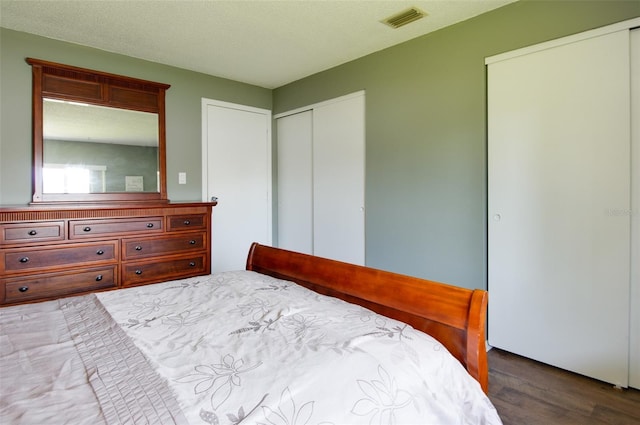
x=53, y=252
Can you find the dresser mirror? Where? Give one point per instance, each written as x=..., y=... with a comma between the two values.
x=97, y=137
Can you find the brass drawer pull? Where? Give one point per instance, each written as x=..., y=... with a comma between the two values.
x=87, y=229
x=24, y=260
x=187, y=222
x=99, y=252
x=149, y=225
x=98, y=278
x=192, y=242
x=138, y=248
x=192, y=264
x=138, y=272
x=23, y=288
x=32, y=233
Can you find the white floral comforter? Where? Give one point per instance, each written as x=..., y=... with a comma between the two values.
x=230, y=348
x=241, y=347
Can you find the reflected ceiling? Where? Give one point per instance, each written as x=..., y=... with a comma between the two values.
x=72, y=121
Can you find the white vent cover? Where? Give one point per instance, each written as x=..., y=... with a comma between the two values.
x=405, y=17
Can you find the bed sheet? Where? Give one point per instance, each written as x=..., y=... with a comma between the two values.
x=68, y=362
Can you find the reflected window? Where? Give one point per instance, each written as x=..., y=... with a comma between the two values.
x=66, y=178
x=123, y=140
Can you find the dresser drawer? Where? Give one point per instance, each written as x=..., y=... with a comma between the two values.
x=165, y=245
x=27, y=259
x=176, y=223
x=58, y=284
x=79, y=229
x=163, y=270
x=17, y=233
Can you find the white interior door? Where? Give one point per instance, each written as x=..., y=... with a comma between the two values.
x=559, y=193
x=237, y=170
x=295, y=174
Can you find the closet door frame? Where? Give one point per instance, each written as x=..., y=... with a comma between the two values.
x=634, y=340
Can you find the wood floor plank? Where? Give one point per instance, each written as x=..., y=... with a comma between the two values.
x=527, y=392
x=613, y=416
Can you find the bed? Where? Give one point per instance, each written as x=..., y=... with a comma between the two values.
x=293, y=339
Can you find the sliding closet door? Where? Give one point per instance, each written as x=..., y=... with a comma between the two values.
x=559, y=196
x=295, y=198
x=321, y=179
x=338, y=179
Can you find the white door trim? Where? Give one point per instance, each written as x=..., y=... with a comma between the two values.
x=619, y=26
x=634, y=327
x=319, y=104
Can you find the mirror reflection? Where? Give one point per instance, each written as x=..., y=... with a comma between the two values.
x=96, y=149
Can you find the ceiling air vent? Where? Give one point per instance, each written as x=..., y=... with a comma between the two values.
x=405, y=17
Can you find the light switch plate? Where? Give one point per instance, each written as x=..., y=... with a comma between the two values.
x=182, y=177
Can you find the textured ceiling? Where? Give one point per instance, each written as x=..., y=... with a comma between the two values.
x=261, y=42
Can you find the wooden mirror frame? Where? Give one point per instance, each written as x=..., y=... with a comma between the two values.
x=56, y=81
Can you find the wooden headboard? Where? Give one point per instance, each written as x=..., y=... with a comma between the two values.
x=453, y=315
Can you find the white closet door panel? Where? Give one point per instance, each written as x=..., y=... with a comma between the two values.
x=558, y=174
x=338, y=188
x=295, y=198
x=634, y=353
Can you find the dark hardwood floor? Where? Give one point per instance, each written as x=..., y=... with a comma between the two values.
x=527, y=392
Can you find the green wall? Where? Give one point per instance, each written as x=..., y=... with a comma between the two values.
x=183, y=107
x=426, y=191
